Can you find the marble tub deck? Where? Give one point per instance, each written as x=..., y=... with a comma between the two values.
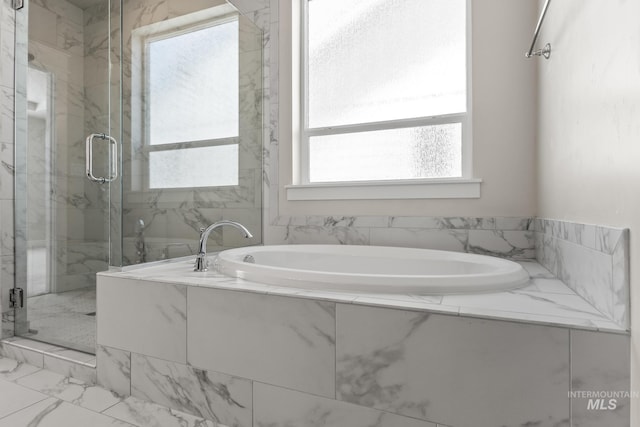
x=544, y=300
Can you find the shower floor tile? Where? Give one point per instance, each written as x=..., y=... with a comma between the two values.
x=66, y=319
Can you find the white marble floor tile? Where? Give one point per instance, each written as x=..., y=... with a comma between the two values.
x=16, y=397
x=11, y=370
x=145, y=414
x=70, y=390
x=54, y=412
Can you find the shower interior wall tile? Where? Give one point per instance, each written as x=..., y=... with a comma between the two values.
x=6, y=227
x=114, y=369
x=7, y=40
x=143, y=317
x=7, y=279
x=452, y=240
x=599, y=363
x=284, y=341
x=508, y=244
x=275, y=406
x=6, y=171
x=207, y=394
x=384, y=362
x=6, y=113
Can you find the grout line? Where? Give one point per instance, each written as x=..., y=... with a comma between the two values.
x=30, y=405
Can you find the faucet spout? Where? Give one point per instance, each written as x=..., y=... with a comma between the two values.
x=201, y=258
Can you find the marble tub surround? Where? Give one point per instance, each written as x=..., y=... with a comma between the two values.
x=507, y=237
x=545, y=300
x=592, y=260
x=259, y=357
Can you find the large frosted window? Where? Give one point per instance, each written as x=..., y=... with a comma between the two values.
x=373, y=63
x=192, y=102
x=193, y=85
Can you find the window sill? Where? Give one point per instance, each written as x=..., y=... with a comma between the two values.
x=449, y=188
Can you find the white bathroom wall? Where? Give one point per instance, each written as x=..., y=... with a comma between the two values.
x=503, y=123
x=589, y=127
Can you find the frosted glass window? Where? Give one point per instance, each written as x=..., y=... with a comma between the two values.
x=194, y=167
x=380, y=60
x=406, y=153
x=193, y=85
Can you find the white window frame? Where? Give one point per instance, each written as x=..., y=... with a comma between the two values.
x=459, y=187
x=145, y=39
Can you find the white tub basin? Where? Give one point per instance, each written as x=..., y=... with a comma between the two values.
x=374, y=269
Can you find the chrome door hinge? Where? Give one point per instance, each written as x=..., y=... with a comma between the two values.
x=16, y=298
x=18, y=4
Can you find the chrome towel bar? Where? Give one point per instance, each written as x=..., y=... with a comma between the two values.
x=546, y=50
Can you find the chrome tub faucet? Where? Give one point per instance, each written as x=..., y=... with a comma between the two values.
x=201, y=258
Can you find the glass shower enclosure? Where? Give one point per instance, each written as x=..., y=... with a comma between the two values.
x=137, y=123
x=66, y=165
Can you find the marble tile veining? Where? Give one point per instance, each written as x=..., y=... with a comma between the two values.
x=34, y=397
x=422, y=365
x=304, y=329
x=210, y=395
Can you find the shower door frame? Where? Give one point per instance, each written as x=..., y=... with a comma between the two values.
x=112, y=210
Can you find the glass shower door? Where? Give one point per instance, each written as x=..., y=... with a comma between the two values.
x=66, y=165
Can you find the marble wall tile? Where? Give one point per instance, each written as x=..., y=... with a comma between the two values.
x=283, y=341
x=507, y=244
x=279, y=407
x=316, y=234
x=7, y=278
x=503, y=237
x=423, y=366
x=599, y=363
x=592, y=260
x=210, y=395
x=450, y=240
x=114, y=369
x=142, y=317
x=621, y=281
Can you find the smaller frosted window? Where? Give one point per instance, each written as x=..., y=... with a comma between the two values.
x=194, y=167
x=406, y=153
x=193, y=85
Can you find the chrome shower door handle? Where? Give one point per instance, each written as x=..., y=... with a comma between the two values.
x=113, y=152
